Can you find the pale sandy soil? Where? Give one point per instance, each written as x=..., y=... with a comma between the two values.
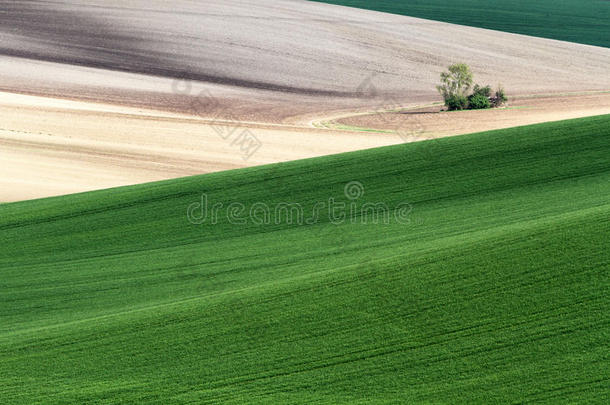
x=53, y=147
x=425, y=123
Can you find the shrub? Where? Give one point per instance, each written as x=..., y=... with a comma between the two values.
x=482, y=91
x=500, y=97
x=479, y=99
x=456, y=102
x=478, y=102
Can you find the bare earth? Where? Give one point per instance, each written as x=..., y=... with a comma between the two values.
x=266, y=60
x=103, y=93
x=430, y=122
x=53, y=147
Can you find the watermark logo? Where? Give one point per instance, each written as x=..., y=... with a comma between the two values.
x=348, y=209
x=353, y=190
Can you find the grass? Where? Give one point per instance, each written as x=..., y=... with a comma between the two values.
x=495, y=291
x=582, y=21
x=342, y=127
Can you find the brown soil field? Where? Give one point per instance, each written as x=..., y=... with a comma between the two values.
x=269, y=60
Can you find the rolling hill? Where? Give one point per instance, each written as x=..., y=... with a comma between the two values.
x=105, y=93
x=271, y=60
x=488, y=283
x=582, y=21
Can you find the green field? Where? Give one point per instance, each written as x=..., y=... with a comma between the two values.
x=493, y=289
x=582, y=21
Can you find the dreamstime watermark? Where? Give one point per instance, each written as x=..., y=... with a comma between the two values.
x=335, y=211
x=205, y=105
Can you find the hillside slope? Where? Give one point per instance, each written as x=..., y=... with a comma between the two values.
x=582, y=21
x=269, y=60
x=488, y=284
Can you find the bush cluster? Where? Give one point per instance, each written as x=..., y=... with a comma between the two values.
x=455, y=85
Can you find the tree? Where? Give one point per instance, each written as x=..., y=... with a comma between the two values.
x=455, y=85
